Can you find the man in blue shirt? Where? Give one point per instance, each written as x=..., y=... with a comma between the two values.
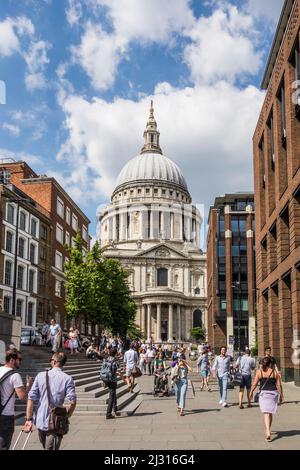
x=61, y=385
x=221, y=368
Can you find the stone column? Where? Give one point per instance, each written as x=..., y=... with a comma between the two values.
x=114, y=218
x=149, y=322
x=143, y=317
x=158, y=325
x=179, y=338
x=170, y=323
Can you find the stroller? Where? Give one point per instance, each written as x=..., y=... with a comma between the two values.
x=161, y=382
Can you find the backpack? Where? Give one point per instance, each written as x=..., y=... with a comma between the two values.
x=106, y=372
x=2, y=379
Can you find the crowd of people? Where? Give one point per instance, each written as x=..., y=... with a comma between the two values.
x=163, y=362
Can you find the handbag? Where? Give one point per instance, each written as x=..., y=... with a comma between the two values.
x=58, y=415
x=136, y=372
x=237, y=378
x=256, y=396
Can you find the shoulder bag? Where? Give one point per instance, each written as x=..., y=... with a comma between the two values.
x=256, y=397
x=58, y=415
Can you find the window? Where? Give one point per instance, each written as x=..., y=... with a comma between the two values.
x=60, y=207
x=20, y=277
x=30, y=308
x=44, y=232
x=42, y=252
x=171, y=193
x=22, y=222
x=41, y=310
x=241, y=206
x=42, y=278
x=9, y=242
x=223, y=304
x=21, y=248
x=33, y=227
x=244, y=305
x=32, y=252
x=162, y=277
x=31, y=281
x=58, y=260
x=6, y=304
x=84, y=233
x=147, y=191
x=74, y=222
x=59, y=233
x=10, y=214
x=67, y=239
x=8, y=270
x=139, y=191
x=19, y=307
x=270, y=125
x=221, y=250
x=58, y=288
x=155, y=190
x=68, y=215
x=163, y=191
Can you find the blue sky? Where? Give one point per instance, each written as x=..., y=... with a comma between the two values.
x=80, y=75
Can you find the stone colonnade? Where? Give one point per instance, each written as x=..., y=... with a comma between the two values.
x=175, y=321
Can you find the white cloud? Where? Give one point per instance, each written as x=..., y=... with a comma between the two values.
x=208, y=128
x=21, y=156
x=221, y=47
x=265, y=10
x=10, y=30
x=99, y=54
x=74, y=12
x=11, y=128
x=36, y=59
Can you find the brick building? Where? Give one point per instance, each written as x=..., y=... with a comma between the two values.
x=231, y=272
x=32, y=283
x=66, y=218
x=276, y=145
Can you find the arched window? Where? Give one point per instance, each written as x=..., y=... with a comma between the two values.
x=162, y=277
x=197, y=318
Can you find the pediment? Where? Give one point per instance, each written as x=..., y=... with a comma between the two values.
x=162, y=251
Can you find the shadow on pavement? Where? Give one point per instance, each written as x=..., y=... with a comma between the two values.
x=148, y=414
x=280, y=434
x=202, y=410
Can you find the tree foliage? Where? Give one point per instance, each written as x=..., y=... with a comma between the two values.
x=198, y=333
x=97, y=288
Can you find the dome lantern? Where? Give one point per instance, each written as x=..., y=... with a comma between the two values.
x=151, y=134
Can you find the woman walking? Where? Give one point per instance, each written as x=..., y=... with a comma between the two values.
x=203, y=369
x=180, y=376
x=270, y=390
x=73, y=342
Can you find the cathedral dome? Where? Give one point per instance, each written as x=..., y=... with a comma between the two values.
x=151, y=166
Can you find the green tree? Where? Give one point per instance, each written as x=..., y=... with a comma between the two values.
x=198, y=333
x=77, y=282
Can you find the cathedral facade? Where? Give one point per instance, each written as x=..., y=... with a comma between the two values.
x=153, y=229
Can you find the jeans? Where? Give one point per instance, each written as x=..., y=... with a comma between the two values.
x=112, y=400
x=150, y=366
x=223, y=387
x=7, y=427
x=181, y=389
x=49, y=440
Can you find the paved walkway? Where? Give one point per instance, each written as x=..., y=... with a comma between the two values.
x=157, y=425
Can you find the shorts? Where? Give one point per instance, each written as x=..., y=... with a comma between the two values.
x=246, y=382
x=128, y=372
x=204, y=373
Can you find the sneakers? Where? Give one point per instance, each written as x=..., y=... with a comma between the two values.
x=220, y=402
x=224, y=404
x=110, y=417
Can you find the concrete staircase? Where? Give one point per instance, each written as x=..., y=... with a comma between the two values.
x=92, y=396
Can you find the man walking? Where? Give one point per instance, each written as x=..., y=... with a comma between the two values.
x=45, y=332
x=11, y=384
x=221, y=368
x=55, y=332
x=150, y=357
x=112, y=384
x=61, y=385
x=130, y=360
x=245, y=364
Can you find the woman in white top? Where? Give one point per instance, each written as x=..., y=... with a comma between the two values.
x=73, y=343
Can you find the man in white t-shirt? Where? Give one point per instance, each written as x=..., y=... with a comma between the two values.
x=10, y=384
x=55, y=335
x=131, y=360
